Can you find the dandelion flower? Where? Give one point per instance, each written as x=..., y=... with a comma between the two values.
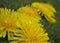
x=8, y=20
x=34, y=33
x=31, y=31
x=47, y=10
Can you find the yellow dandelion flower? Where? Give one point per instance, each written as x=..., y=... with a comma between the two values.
x=29, y=25
x=34, y=33
x=8, y=20
x=47, y=9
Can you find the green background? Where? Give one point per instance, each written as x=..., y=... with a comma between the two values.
x=52, y=29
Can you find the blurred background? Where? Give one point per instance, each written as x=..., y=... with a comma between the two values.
x=52, y=29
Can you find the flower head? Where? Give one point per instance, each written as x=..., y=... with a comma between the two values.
x=46, y=9
x=8, y=20
x=31, y=31
x=34, y=33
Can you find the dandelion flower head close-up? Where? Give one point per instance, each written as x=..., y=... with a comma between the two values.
x=25, y=24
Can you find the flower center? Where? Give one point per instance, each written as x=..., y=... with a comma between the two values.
x=33, y=39
x=8, y=23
